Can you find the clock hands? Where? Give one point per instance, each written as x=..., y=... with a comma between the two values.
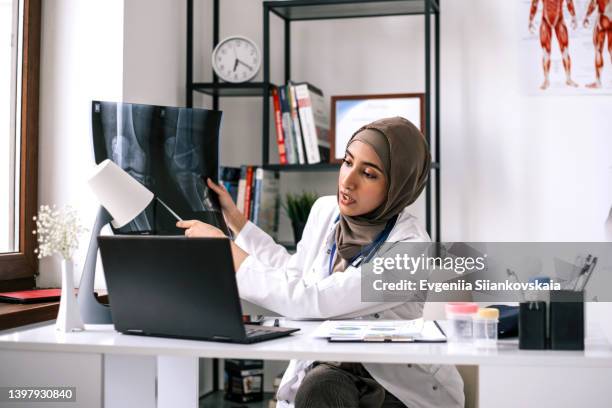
x=235, y=56
x=246, y=65
x=243, y=63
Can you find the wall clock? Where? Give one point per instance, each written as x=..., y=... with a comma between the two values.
x=236, y=59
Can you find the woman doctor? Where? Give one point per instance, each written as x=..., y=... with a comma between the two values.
x=385, y=168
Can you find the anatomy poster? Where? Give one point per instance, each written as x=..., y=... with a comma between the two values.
x=566, y=46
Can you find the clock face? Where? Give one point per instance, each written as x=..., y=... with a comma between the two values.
x=236, y=59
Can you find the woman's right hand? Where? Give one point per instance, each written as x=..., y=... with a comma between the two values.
x=235, y=219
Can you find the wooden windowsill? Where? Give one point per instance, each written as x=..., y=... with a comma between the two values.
x=15, y=315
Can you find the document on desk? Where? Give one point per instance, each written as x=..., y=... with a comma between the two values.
x=391, y=331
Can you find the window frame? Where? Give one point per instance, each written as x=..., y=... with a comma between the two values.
x=19, y=269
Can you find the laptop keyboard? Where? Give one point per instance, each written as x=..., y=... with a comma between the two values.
x=257, y=332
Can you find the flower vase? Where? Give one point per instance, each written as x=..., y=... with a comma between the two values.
x=69, y=316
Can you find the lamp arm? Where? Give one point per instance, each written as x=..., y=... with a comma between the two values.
x=92, y=311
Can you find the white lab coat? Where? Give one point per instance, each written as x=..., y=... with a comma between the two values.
x=299, y=286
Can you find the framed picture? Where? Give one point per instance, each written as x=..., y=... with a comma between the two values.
x=351, y=112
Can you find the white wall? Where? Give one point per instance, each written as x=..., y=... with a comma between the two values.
x=81, y=60
x=154, y=52
x=516, y=167
x=98, y=50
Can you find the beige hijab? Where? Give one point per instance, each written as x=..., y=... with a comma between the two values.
x=404, y=153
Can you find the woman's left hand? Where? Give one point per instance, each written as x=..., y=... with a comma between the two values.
x=195, y=228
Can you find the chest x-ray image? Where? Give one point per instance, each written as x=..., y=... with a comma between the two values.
x=171, y=151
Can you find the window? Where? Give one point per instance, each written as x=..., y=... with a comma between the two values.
x=19, y=73
x=9, y=14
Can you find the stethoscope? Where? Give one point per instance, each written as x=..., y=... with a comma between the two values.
x=368, y=251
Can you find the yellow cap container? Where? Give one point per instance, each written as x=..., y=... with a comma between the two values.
x=488, y=313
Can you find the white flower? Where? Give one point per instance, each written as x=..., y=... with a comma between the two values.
x=58, y=231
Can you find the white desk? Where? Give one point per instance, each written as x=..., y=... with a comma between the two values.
x=177, y=360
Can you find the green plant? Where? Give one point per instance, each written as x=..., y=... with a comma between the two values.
x=297, y=206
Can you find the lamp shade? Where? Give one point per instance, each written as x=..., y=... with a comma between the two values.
x=119, y=193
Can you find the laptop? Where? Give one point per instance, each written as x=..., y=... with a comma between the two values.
x=173, y=286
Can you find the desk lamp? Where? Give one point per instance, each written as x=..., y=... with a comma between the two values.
x=121, y=198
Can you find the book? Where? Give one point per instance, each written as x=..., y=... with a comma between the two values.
x=248, y=191
x=35, y=296
x=241, y=189
x=314, y=117
x=295, y=122
x=267, y=204
x=278, y=123
x=244, y=380
x=31, y=296
x=229, y=178
x=257, y=195
x=290, y=147
x=253, y=197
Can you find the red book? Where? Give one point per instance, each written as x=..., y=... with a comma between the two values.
x=278, y=121
x=34, y=296
x=248, y=192
x=31, y=296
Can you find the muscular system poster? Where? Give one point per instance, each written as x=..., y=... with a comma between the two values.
x=566, y=46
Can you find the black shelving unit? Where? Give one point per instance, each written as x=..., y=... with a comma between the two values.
x=303, y=167
x=217, y=400
x=228, y=89
x=305, y=10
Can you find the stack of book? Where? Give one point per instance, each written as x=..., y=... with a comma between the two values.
x=256, y=193
x=301, y=119
x=244, y=380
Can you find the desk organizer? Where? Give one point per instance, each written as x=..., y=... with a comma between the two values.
x=566, y=320
x=532, y=325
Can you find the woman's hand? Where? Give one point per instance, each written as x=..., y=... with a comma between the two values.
x=233, y=216
x=195, y=228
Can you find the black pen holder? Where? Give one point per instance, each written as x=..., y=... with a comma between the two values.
x=566, y=320
x=532, y=325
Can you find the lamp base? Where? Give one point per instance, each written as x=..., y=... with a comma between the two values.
x=92, y=311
